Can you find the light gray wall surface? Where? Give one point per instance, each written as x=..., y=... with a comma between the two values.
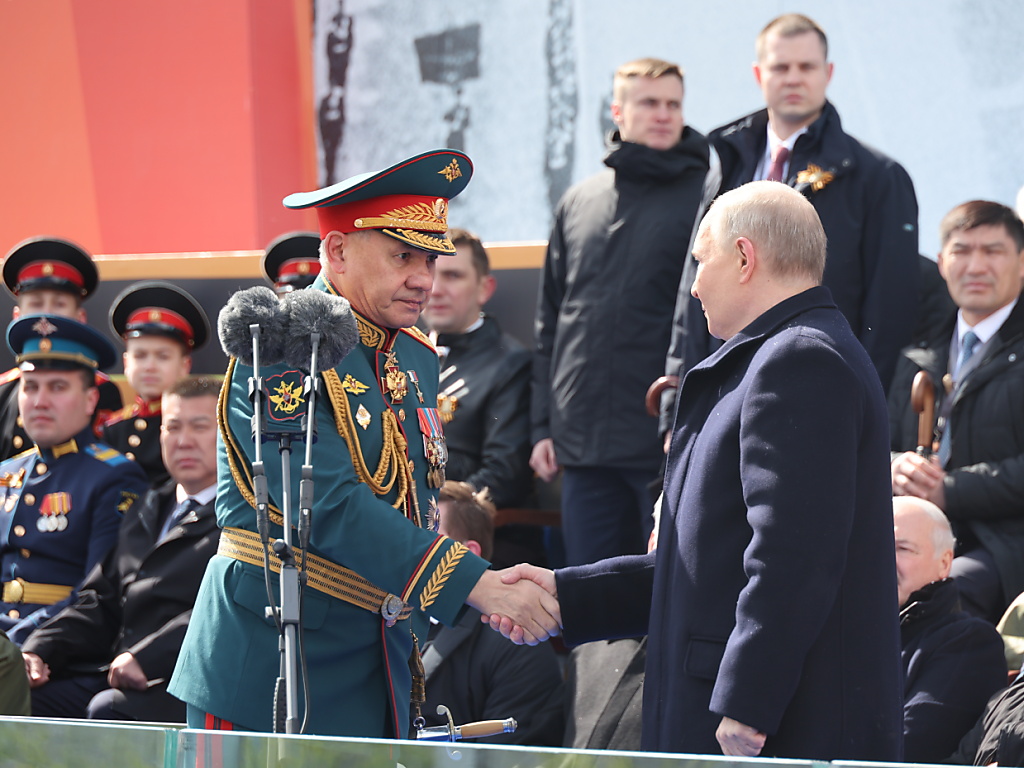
x=936, y=84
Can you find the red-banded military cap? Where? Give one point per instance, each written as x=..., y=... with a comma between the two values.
x=155, y=308
x=292, y=261
x=49, y=263
x=53, y=342
x=408, y=201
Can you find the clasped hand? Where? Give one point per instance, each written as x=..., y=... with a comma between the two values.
x=520, y=602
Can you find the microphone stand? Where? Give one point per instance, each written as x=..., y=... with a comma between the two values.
x=286, y=617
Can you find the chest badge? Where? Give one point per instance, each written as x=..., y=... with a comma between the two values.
x=434, y=447
x=53, y=512
x=394, y=380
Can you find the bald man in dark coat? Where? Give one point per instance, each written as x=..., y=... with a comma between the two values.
x=770, y=602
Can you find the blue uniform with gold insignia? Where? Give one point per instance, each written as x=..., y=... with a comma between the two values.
x=378, y=454
x=60, y=509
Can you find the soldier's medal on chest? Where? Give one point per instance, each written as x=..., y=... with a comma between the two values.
x=434, y=447
x=363, y=417
x=53, y=512
x=447, y=405
x=394, y=380
x=434, y=515
x=10, y=502
x=416, y=384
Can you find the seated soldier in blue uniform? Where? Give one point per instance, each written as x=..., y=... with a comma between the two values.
x=61, y=501
x=47, y=276
x=161, y=326
x=292, y=261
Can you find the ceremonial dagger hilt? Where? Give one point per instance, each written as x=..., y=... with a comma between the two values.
x=453, y=732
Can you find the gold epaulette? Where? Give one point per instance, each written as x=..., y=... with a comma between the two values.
x=12, y=375
x=420, y=336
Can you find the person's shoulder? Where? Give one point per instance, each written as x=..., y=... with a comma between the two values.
x=11, y=376
x=120, y=416
x=107, y=456
x=419, y=336
x=731, y=130
x=596, y=185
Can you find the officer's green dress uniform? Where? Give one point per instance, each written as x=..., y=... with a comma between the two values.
x=374, y=466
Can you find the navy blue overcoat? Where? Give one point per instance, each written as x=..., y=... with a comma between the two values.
x=772, y=596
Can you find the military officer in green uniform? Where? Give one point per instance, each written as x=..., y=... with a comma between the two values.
x=161, y=326
x=376, y=567
x=61, y=501
x=47, y=275
x=292, y=261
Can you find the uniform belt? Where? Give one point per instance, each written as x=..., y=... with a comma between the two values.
x=321, y=574
x=21, y=591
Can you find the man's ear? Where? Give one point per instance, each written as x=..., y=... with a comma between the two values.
x=488, y=284
x=748, y=258
x=16, y=312
x=334, y=248
x=473, y=546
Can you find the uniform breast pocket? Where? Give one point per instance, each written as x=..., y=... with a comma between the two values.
x=704, y=657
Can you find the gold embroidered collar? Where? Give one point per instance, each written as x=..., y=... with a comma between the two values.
x=370, y=334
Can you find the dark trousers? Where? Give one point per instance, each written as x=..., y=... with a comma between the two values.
x=83, y=696
x=606, y=512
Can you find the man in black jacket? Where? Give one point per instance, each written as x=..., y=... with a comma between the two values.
x=952, y=662
x=865, y=199
x=484, y=395
x=604, y=311
x=109, y=655
x=976, y=363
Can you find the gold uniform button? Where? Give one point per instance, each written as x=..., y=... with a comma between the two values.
x=134, y=441
x=401, y=414
x=41, y=468
x=18, y=441
x=140, y=424
x=19, y=530
x=26, y=554
x=130, y=455
x=20, y=423
x=14, y=614
x=29, y=499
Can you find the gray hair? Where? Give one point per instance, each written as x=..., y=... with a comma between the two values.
x=777, y=219
x=942, y=532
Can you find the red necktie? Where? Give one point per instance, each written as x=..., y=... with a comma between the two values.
x=778, y=164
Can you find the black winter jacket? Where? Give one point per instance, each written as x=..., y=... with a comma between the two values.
x=607, y=290
x=869, y=212
x=952, y=664
x=488, y=437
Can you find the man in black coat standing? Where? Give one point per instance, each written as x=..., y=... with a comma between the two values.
x=975, y=360
x=865, y=200
x=109, y=655
x=770, y=601
x=604, y=310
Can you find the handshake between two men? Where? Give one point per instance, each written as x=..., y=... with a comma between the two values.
x=519, y=602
